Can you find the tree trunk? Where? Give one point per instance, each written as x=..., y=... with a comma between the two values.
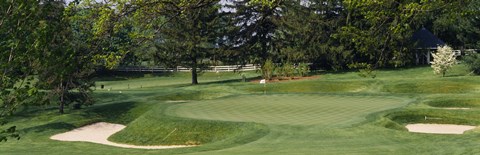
x=62, y=99
x=194, y=75
x=194, y=71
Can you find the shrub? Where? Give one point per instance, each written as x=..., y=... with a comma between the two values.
x=473, y=63
x=365, y=70
x=267, y=69
x=287, y=70
x=303, y=69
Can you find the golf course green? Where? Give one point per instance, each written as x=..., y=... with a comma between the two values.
x=336, y=113
x=286, y=109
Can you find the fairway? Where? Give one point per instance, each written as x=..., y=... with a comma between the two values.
x=288, y=109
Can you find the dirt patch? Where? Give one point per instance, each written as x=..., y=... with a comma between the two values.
x=280, y=79
x=439, y=128
x=99, y=133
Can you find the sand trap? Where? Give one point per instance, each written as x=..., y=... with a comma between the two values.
x=439, y=128
x=176, y=101
x=456, y=108
x=99, y=133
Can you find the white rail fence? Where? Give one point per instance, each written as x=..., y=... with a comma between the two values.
x=231, y=68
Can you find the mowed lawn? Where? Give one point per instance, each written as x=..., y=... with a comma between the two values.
x=336, y=113
x=288, y=109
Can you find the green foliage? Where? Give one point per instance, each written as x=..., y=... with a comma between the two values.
x=365, y=70
x=287, y=70
x=303, y=69
x=268, y=69
x=10, y=132
x=473, y=63
x=20, y=53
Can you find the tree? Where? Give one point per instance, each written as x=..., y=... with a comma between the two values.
x=309, y=38
x=18, y=55
x=443, y=60
x=190, y=39
x=254, y=33
x=152, y=22
x=66, y=66
x=458, y=24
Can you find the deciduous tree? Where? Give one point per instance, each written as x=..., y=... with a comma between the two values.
x=443, y=60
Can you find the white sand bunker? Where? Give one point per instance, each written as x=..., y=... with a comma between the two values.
x=176, y=101
x=99, y=133
x=439, y=128
x=456, y=108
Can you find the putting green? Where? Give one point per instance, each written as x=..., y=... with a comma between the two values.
x=288, y=109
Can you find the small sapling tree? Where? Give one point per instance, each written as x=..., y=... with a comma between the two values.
x=267, y=69
x=443, y=60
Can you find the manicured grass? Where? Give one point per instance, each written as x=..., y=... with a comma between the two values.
x=178, y=131
x=288, y=109
x=337, y=113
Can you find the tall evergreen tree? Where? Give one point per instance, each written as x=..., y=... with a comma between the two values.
x=190, y=39
x=254, y=35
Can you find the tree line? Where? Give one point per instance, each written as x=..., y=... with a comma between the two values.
x=51, y=49
x=331, y=34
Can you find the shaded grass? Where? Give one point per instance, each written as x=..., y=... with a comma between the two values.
x=455, y=102
x=173, y=79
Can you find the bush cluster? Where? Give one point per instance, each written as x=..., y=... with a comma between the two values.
x=286, y=70
x=473, y=63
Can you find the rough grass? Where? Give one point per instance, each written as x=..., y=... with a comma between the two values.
x=455, y=102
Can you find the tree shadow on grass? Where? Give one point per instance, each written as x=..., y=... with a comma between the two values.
x=119, y=76
x=114, y=113
x=228, y=81
x=454, y=75
x=49, y=127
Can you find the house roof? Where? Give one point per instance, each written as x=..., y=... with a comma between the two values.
x=426, y=40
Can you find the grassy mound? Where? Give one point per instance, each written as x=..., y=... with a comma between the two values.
x=447, y=85
x=155, y=128
x=313, y=86
x=455, y=103
x=430, y=116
